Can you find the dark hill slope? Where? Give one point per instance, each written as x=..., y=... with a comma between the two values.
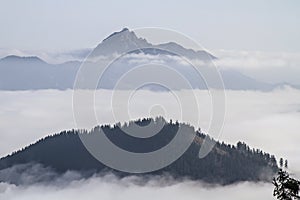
x=225, y=164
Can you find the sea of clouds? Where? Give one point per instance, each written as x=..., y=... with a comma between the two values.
x=266, y=120
x=271, y=67
x=41, y=183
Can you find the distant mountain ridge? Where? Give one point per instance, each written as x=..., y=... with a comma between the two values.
x=225, y=164
x=32, y=73
x=22, y=73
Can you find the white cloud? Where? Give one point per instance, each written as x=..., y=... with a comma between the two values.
x=257, y=59
x=266, y=120
x=50, y=57
x=106, y=189
x=273, y=67
x=73, y=186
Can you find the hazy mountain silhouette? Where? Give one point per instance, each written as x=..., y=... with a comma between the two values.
x=32, y=73
x=225, y=164
x=127, y=41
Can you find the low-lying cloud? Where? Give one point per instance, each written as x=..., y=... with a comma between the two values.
x=272, y=67
x=72, y=185
x=50, y=57
x=266, y=120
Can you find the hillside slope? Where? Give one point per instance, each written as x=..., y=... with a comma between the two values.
x=225, y=164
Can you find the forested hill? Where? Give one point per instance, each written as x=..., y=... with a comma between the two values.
x=225, y=164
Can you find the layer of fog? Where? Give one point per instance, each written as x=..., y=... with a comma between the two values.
x=266, y=120
x=272, y=67
x=72, y=185
x=256, y=64
x=50, y=57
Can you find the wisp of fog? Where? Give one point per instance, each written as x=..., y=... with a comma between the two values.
x=72, y=185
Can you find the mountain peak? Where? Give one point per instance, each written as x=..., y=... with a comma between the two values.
x=119, y=42
x=118, y=33
x=125, y=29
x=127, y=41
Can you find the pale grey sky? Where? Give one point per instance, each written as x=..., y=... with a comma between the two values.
x=58, y=25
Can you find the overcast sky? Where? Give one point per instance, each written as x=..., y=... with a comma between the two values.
x=72, y=24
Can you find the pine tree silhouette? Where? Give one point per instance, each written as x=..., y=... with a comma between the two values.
x=286, y=188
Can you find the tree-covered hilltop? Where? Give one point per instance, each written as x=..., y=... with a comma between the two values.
x=225, y=164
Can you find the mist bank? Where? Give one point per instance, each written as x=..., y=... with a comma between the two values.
x=267, y=120
x=72, y=185
x=125, y=72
